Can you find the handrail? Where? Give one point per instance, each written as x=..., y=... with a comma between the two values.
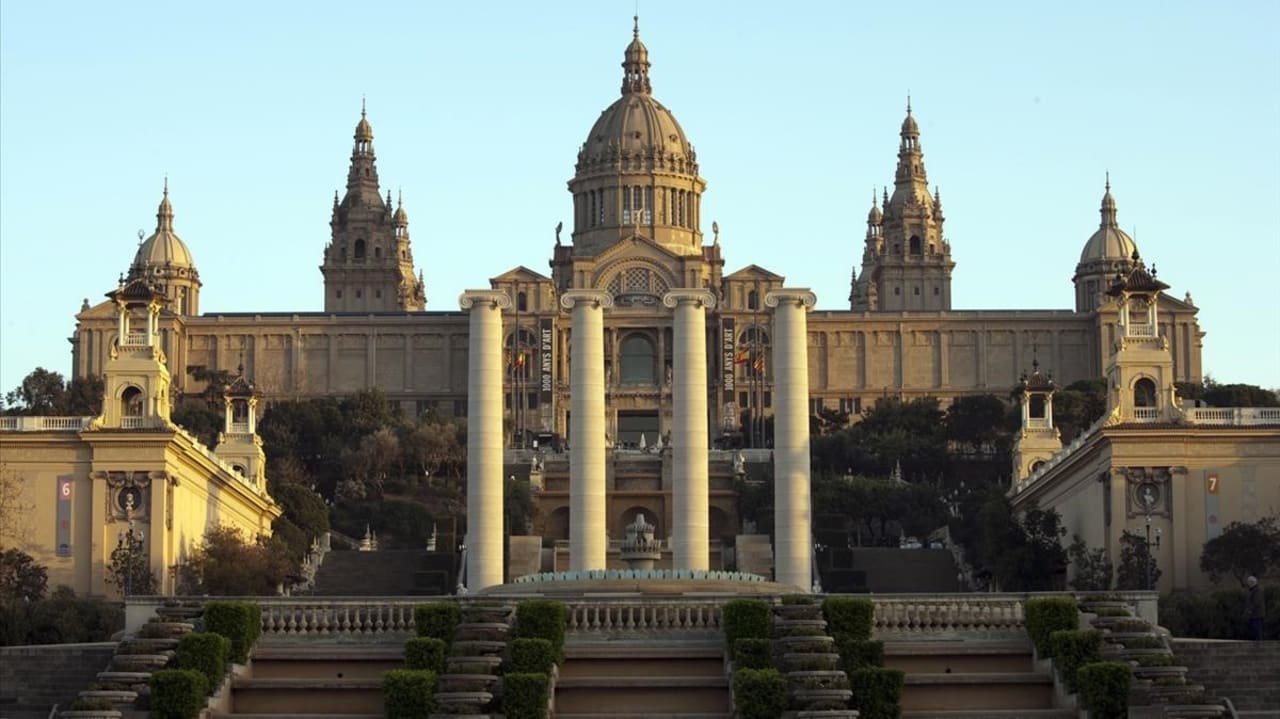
x=1230, y=707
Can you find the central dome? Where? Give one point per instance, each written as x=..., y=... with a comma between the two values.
x=637, y=132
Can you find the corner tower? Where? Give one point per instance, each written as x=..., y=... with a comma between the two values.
x=906, y=263
x=368, y=263
x=637, y=173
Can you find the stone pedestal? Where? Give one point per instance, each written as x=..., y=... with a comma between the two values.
x=689, y=440
x=588, y=541
x=484, y=437
x=793, y=537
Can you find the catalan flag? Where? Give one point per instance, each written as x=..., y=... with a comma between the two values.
x=743, y=357
x=758, y=365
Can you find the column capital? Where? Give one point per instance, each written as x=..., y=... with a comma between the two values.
x=801, y=296
x=599, y=298
x=687, y=295
x=493, y=298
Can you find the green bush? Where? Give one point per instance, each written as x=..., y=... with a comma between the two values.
x=532, y=656
x=241, y=622
x=1216, y=615
x=178, y=693
x=751, y=653
x=426, y=653
x=406, y=693
x=848, y=617
x=1104, y=689
x=877, y=692
x=542, y=619
x=745, y=619
x=860, y=654
x=1072, y=649
x=437, y=620
x=759, y=693
x=206, y=653
x=525, y=695
x=1046, y=615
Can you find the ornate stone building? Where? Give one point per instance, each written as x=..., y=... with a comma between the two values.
x=638, y=233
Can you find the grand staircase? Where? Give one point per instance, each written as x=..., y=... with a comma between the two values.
x=674, y=679
x=972, y=680
x=384, y=573
x=315, y=680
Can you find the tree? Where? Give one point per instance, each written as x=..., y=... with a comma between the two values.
x=976, y=420
x=1138, y=568
x=1243, y=549
x=226, y=565
x=1078, y=406
x=1093, y=569
x=130, y=568
x=828, y=421
x=47, y=393
x=195, y=416
x=21, y=579
x=518, y=507
x=15, y=510
x=1022, y=553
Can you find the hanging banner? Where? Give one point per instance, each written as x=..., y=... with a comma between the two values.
x=545, y=337
x=728, y=343
x=62, y=535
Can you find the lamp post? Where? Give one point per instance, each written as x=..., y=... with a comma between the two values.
x=1150, y=558
x=125, y=541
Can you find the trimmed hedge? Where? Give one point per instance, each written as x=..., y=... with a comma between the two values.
x=848, y=617
x=406, y=693
x=178, y=693
x=1104, y=689
x=745, y=619
x=531, y=656
x=525, y=695
x=542, y=619
x=749, y=653
x=1217, y=615
x=241, y=622
x=1046, y=615
x=1072, y=649
x=437, y=620
x=759, y=693
x=205, y=652
x=877, y=692
x=860, y=654
x=426, y=653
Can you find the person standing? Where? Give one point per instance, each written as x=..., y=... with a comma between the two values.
x=1254, y=608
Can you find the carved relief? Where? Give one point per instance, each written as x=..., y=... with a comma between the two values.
x=1146, y=491
x=129, y=494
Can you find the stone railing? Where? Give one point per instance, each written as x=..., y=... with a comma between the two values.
x=1233, y=415
x=44, y=424
x=898, y=617
x=1146, y=414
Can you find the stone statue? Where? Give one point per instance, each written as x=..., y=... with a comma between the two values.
x=559, y=227
x=739, y=464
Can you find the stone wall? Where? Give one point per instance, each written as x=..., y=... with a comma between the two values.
x=34, y=678
x=1244, y=672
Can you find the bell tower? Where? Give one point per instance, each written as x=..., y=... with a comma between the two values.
x=1038, y=440
x=368, y=263
x=1140, y=378
x=238, y=442
x=136, y=379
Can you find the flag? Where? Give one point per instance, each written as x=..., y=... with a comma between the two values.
x=742, y=357
x=758, y=365
x=520, y=361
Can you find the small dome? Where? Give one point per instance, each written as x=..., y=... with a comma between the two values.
x=909, y=126
x=1110, y=243
x=874, y=216
x=163, y=249
x=364, y=131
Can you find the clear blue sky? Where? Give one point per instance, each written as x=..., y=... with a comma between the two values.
x=478, y=110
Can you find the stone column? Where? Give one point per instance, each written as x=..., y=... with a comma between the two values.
x=690, y=498
x=588, y=542
x=793, y=543
x=484, y=437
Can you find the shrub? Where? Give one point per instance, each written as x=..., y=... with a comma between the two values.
x=876, y=692
x=206, y=653
x=406, y=693
x=1217, y=615
x=798, y=630
x=426, y=653
x=437, y=620
x=1072, y=649
x=749, y=653
x=860, y=654
x=745, y=619
x=848, y=617
x=241, y=622
x=759, y=693
x=525, y=695
x=1046, y=615
x=1104, y=689
x=532, y=656
x=178, y=693
x=542, y=619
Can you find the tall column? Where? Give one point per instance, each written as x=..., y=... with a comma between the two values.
x=588, y=543
x=689, y=450
x=793, y=541
x=484, y=437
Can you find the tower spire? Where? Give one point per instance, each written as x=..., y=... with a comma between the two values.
x=1108, y=209
x=635, y=64
x=164, y=215
x=362, y=178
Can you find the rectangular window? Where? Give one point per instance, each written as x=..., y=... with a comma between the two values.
x=768, y=399
x=532, y=402
x=742, y=399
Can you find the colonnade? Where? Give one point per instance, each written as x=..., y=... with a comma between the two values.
x=690, y=441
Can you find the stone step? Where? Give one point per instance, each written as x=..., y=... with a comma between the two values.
x=615, y=697
x=641, y=715
x=981, y=690
x=970, y=657
x=610, y=667
x=991, y=714
x=238, y=715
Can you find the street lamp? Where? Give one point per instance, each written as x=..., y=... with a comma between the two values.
x=1150, y=559
x=124, y=541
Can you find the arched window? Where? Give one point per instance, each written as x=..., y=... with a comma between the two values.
x=359, y=249
x=1036, y=406
x=753, y=300
x=915, y=245
x=377, y=253
x=1144, y=393
x=639, y=360
x=131, y=402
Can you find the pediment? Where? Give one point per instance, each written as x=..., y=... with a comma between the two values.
x=519, y=273
x=754, y=272
x=637, y=272
x=104, y=309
